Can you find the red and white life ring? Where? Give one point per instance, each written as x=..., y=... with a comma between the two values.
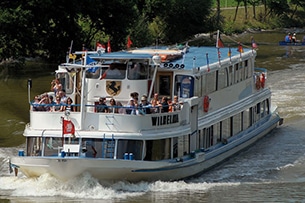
x=206, y=103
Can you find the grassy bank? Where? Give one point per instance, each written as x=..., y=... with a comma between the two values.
x=242, y=23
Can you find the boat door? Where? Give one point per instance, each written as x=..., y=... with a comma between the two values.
x=164, y=83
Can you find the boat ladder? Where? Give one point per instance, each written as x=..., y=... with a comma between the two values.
x=108, y=147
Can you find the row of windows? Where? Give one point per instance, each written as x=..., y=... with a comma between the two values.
x=154, y=149
x=226, y=76
x=229, y=127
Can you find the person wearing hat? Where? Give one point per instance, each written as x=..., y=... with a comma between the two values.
x=102, y=106
x=131, y=107
x=294, y=38
x=144, y=106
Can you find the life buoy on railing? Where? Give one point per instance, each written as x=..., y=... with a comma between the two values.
x=258, y=82
x=262, y=80
x=206, y=103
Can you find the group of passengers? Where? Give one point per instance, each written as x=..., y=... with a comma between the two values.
x=45, y=102
x=293, y=38
x=136, y=107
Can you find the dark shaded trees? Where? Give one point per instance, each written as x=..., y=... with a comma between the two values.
x=45, y=28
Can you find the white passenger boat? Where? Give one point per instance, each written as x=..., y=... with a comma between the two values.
x=224, y=106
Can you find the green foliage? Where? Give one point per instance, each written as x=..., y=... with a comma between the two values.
x=45, y=28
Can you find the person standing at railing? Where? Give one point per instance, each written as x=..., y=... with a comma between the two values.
x=144, y=106
x=113, y=106
x=68, y=106
x=164, y=104
x=131, y=107
x=102, y=106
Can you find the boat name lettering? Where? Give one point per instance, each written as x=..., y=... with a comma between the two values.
x=165, y=120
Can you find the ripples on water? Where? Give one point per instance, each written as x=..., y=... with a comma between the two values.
x=273, y=170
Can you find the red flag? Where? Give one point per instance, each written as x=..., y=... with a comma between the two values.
x=99, y=46
x=219, y=43
x=108, y=47
x=104, y=75
x=68, y=127
x=129, y=42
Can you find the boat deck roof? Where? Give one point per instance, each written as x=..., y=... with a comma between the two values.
x=195, y=57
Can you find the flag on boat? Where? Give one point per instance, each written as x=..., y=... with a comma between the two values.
x=68, y=127
x=108, y=47
x=100, y=46
x=229, y=52
x=219, y=43
x=240, y=48
x=129, y=42
x=90, y=61
x=253, y=43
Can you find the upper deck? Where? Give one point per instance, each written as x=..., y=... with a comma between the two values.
x=205, y=76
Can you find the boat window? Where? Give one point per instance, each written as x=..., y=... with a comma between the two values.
x=133, y=147
x=236, y=73
x=211, y=82
x=246, y=119
x=263, y=109
x=222, y=79
x=34, y=146
x=267, y=106
x=157, y=150
x=226, y=129
x=137, y=71
x=66, y=82
x=236, y=124
x=53, y=146
x=217, y=131
x=231, y=76
x=93, y=73
x=114, y=71
x=184, y=86
x=208, y=137
x=164, y=86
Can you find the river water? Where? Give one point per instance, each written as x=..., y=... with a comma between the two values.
x=273, y=170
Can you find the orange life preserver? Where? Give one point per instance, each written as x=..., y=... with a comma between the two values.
x=206, y=103
x=263, y=80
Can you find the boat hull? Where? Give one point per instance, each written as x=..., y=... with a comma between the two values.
x=113, y=170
